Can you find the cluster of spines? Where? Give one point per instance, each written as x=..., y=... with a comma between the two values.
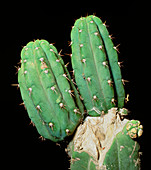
x=50, y=97
x=96, y=67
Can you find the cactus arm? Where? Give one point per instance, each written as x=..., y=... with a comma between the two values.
x=87, y=61
x=33, y=113
x=49, y=91
x=113, y=60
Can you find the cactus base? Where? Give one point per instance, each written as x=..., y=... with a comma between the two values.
x=104, y=143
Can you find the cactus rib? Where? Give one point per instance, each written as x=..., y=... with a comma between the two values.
x=113, y=60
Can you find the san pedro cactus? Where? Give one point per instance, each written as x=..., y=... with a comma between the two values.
x=105, y=139
x=48, y=93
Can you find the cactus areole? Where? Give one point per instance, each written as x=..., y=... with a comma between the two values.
x=57, y=103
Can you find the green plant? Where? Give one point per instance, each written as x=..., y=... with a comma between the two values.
x=96, y=68
x=50, y=97
x=105, y=140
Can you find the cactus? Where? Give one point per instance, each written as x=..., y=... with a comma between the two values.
x=95, y=64
x=48, y=93
x=105, y=139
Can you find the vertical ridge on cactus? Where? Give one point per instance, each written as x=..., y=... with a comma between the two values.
x=113, y=61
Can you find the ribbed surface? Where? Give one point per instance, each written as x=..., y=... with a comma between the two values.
x=95, y=65
x=48, y=94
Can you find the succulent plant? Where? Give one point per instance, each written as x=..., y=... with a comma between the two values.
x=96, y=67
x=52, y=101
x=57, y=105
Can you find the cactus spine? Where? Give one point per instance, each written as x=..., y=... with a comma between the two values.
x=95, y=64
x=48, y=93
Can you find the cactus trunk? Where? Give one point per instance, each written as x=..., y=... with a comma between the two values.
x=104, y=143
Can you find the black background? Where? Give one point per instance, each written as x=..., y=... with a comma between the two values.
x=28, y=21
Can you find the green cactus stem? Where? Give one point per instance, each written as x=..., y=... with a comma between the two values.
x=95, y=65
x=49, y=95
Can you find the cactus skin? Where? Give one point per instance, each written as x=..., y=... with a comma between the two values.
x=122, y=154
x=95, y=64
x=50, y=97
x=82, y=161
